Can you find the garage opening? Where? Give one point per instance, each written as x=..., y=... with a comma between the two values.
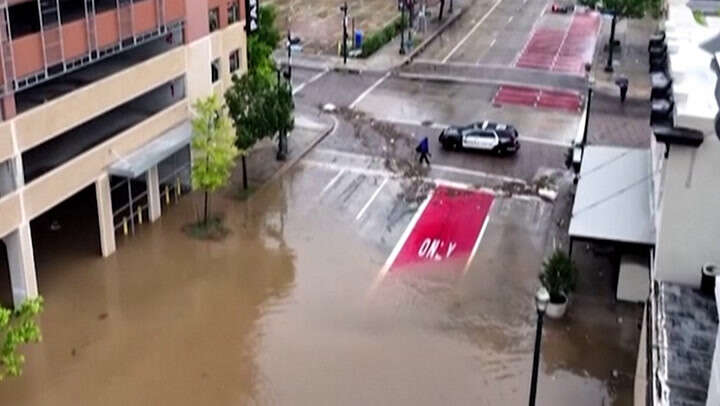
x=65, y=237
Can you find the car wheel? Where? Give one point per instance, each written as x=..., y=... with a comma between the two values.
x=447, y=146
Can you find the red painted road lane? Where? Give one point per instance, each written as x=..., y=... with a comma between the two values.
x=562, y=50
x=532, y=97
x=447, y=230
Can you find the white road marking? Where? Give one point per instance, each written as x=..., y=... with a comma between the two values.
x=510, y=19
x=369, y=90
x=557, y=54
x=401, y=242
x=471, y=32
x=478, y=240
x=451, y=169
x=309, y=81
x=492, y=42
x=332, y=182
x=442, y=126
x=371, y=200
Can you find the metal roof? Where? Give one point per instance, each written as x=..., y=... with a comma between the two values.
x=613, y=198
x=139, y=161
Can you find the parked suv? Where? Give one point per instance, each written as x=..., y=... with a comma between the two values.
x=482, y=135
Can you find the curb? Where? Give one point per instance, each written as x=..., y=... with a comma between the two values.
x=474, y=81
x=291, y=163
x=432, y=37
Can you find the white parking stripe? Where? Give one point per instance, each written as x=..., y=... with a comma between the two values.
x=309, y=81
x=370, y=89
x=332, y=182
x=372, y=199
x=478, y=240
x=471, y=32
x=401, y=242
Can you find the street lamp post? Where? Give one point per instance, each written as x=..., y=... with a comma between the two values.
x=344, y=9
x=611, y=47
x=450, y=10
x=542, y=298
x=591, y=81
x=402, y=28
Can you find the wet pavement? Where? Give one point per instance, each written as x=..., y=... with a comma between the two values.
x=306, y=302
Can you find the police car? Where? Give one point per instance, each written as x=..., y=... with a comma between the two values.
x=483, y=135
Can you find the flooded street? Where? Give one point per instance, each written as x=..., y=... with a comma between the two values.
x=288, y=309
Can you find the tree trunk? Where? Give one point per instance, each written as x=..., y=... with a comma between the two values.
x=244, y=169
x=205, y=212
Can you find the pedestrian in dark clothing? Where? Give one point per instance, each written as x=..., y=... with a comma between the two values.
x=424, y=150
x=622, y=82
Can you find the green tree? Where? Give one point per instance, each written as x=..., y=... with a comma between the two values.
x=214, y=149
x=623, y=9
x=17, y=327
x=262, y=43
x=260, y=108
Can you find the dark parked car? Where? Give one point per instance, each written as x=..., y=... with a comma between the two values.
x=483, y=135
x=562, y=8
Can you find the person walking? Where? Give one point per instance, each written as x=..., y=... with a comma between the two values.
x=424, y=150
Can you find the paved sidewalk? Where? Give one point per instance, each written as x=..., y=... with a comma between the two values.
x=310, y=127
x=630, y=60
x=387, y=57
x=611, y=122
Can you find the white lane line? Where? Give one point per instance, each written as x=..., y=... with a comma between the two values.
x=332, y=182
x=309, y=81
x=442, y=126
x=562, y=43
x=478, y=240
x=510, y=19
x=471, y=32
x=444, y=168
x=372, y=199
x=370, y=89
x=401, y=242
x=492, y=42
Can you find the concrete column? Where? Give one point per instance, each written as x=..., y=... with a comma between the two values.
x=153, y=191
x=105, y=215
x=8, y=106
x=22, y=264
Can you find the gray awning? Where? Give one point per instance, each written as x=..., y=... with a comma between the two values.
x=139, y=161
x=613, y=198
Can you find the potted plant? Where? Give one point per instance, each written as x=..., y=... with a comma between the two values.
x=558, y=277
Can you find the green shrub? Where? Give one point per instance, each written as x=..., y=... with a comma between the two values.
x=558, y=276
x=375, y=41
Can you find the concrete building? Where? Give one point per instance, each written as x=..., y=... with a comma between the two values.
x=97, y=94
x=678, y=359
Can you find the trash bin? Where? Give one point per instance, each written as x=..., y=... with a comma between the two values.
x=358, y=38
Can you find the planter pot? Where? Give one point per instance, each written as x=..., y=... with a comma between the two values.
x=557, y=310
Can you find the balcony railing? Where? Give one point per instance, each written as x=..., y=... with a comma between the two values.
x=92, y=37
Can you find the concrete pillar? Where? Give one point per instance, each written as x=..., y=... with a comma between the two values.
x=22, y=264
x=153, y=191
x=105, y=215
x=8, y=106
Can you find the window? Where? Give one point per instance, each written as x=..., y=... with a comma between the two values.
x=215, y=71
x=214, y=19
x=234, y=60
x=233, y=12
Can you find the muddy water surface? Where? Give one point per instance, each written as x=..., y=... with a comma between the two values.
x=284, y=312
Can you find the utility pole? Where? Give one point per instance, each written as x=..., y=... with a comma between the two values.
x=402, y=27
x=344, y=9
x=611, y=46
x=450, y=10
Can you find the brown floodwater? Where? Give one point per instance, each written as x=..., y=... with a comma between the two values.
x=283, y=312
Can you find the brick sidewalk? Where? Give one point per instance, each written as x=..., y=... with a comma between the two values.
x=611, y=122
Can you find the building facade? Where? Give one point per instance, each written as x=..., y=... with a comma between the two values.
x=99, y=93
x=678, y=359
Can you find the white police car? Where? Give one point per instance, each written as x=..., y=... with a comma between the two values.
x=482, y=135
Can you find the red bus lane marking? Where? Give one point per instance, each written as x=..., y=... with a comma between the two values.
x=448, y=230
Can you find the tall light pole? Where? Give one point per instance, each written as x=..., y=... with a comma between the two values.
x=344, y=9
x=611, y=47
x=542, y=298
x=402, y=27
